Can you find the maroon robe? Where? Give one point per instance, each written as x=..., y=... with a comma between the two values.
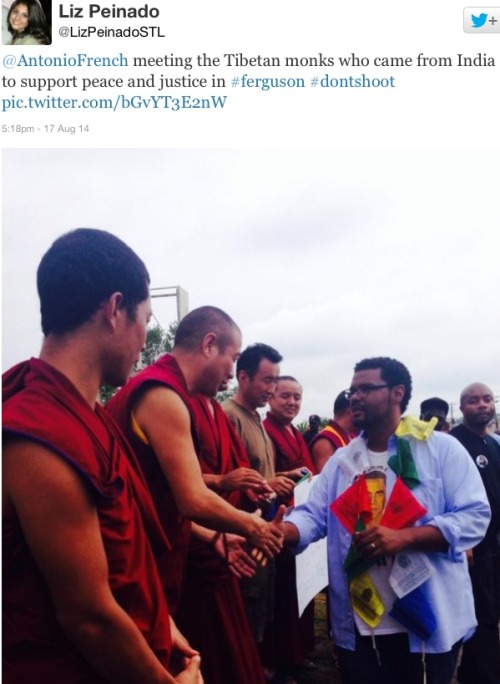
x=165, y=371
x=42, y=405
x=212, y=614
x=291, y=449
x=292, y=636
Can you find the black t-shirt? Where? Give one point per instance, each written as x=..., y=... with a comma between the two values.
x=485, y=452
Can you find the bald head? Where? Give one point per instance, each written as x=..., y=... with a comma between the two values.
x=200, y=322
x=207, y=344
x=477, y=404
x=474, y=389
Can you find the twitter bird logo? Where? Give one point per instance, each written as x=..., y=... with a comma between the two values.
x=479, y=21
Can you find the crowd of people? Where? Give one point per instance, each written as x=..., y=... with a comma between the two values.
x=152, y=540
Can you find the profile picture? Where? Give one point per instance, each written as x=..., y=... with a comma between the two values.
x=26, y=22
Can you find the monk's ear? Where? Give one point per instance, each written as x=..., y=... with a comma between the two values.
x=209, y=343
x=112, y=309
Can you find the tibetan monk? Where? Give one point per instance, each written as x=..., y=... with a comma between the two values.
x=82, y=596
x=337, y=434
x=154, y=410
x=212, y=613
x=293, y=636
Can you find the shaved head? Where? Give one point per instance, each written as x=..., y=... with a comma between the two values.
x=198, y=323
x=474, y=388
x=477, y=404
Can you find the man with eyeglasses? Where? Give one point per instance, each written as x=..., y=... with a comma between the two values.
x=400, y=594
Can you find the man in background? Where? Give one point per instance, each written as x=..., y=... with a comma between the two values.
x=481, y=654
x=291, y=636
x=312, y=431
x=257, y=372
x=434, y=407
x=338, y=433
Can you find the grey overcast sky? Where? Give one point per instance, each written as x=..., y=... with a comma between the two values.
x=328, y=255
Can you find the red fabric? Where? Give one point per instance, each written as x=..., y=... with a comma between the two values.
x=401, y=510
x=212, y=613
x=165, y=371
x=291, y=449
x=42, y=405
x=220, y=452
x=352, y=504
x=221, y=449
x=292, y=636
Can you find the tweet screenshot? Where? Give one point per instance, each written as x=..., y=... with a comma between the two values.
x=325, y=176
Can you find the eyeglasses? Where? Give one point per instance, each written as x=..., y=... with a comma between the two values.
x=362, y=390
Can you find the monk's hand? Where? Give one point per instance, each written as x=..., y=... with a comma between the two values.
x=267, y=536
x=191, y=673
x=180, y=643
x=259, y=496
x=234, y=553
x=283, y=486
x=277, y=523
x=297, y=474
x=242, y=478
x=379, y=541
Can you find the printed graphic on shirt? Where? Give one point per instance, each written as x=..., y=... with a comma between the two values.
x=376, y=485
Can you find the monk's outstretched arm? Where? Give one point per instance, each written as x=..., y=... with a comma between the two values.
x=164, y=419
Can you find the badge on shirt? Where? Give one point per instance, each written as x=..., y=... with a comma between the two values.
x=481, y=461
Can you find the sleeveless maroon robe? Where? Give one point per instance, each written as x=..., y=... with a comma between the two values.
x=335, y=434
x=165, y=371
x=42, y=405
x=292, y=636
x=212, y=614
